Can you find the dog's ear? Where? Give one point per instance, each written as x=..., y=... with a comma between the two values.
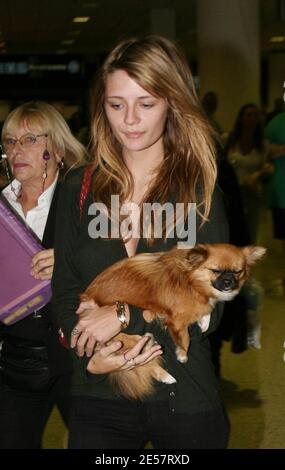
x=84, y=297
x=196, y=256
x=253, y=253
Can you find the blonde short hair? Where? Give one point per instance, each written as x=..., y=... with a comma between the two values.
x=44, y=118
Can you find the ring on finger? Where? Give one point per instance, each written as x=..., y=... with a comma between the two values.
x=132, y=362
x=75, y=332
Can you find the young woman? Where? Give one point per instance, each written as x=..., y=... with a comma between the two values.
x=35, y=370
x=151, y=143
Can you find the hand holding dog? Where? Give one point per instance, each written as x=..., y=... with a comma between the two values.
x=107, y=359
x=96, y=325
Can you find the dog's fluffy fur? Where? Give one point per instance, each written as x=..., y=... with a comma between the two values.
x=179, y=286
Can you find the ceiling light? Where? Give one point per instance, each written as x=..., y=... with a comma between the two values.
x=81, y=19
x=277, y=39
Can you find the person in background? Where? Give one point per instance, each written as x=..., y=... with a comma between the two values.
x=248, y=153
x=233, y=326
x=210, y=105
x=78, y=128
x=279, y=107
x=35, y=370
x=151, y=143
x=275, y=133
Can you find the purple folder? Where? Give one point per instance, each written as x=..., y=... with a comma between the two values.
x=20, y=293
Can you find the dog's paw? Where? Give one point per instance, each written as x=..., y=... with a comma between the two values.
x=150, y=341
x=181, y=355
x=167, y=379
x=150, y=335
x=161, y=375
x=149, y=316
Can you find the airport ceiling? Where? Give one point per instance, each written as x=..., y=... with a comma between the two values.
x=35, y=27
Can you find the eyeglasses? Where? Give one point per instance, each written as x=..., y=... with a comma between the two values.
x=26, y=141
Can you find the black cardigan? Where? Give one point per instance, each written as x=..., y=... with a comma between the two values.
x=43, y=329
x=79, y=258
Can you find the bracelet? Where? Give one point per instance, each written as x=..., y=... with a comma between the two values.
x=121, y=314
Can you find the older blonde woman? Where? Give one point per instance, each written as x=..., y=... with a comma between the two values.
x=35, y=370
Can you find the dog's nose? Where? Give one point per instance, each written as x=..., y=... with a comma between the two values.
x=226, y=282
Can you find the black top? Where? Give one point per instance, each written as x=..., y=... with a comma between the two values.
x=79, y=258
x=42, y=328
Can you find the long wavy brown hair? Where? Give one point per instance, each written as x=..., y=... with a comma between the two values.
x=159, y=67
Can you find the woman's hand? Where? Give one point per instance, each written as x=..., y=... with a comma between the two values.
x=107, y=359
x=96, y=324
x=42, y=264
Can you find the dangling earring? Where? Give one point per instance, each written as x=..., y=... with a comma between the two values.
x=6, y=167
x=60, y=164
x=17, y=192
x=46, y=157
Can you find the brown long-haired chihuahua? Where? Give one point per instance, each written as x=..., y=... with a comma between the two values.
x=179, y=287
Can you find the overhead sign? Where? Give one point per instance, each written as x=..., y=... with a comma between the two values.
x=28, y=67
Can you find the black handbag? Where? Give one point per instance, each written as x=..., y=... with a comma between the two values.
x=24, y=365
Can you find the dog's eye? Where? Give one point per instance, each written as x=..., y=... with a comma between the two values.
x=216, y=271
x=238, y=271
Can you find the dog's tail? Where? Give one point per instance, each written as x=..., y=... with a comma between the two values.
x=139, y=382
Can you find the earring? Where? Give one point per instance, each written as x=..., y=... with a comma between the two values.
x=6, y=167
x=60, y=164
x=46, y=157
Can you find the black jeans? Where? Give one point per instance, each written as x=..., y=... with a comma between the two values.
x=24, y=414
x=105, y=424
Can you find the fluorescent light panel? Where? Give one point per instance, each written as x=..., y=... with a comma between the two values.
x=277, y=39
x=68, y=42
x=81, y=19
